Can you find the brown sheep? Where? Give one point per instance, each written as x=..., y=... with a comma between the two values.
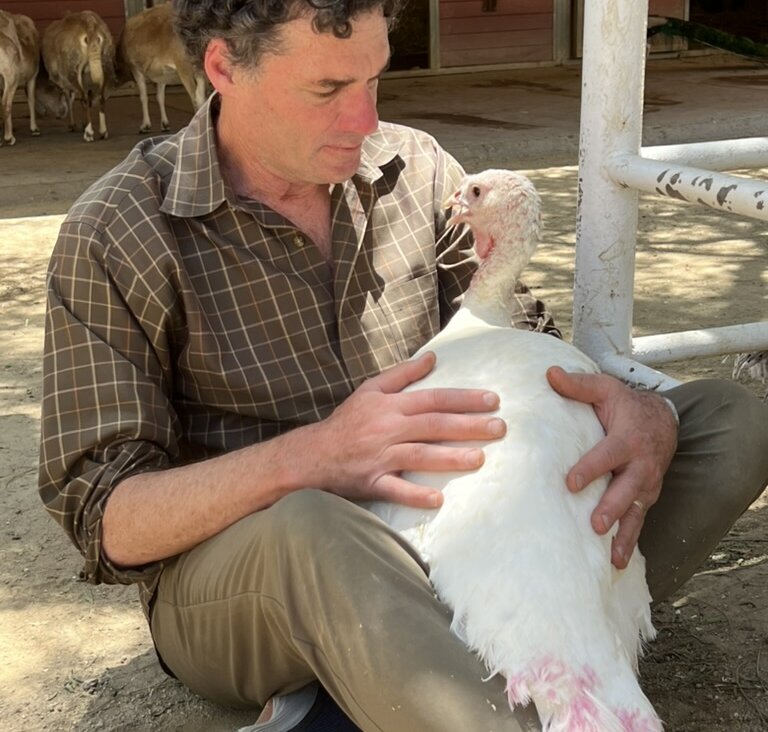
x=49, y=98
x=149, y=49
x=79, y=55
x=19, y=65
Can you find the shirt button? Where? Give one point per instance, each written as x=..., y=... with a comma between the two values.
x=298, y=240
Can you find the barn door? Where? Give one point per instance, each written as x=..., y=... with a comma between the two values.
x=410, y=38
x=134, y=7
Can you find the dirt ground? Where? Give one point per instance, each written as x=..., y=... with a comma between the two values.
x=78, y=657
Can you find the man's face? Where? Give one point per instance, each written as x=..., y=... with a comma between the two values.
x=303, y=114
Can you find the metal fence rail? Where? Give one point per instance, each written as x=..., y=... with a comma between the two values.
x=613, y=168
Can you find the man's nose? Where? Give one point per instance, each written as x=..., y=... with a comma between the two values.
x=361, y=115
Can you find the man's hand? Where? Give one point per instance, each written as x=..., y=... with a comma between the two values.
x=641, y=438
x=381, y=431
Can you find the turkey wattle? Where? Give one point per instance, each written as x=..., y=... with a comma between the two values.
x=512, y=551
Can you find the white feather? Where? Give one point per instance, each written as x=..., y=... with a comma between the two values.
x=511, y=550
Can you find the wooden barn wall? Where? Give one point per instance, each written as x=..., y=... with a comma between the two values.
x=668, y=8
x=44, y=11
x=478, y=32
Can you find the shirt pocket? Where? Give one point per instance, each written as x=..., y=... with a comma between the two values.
x=410, y=310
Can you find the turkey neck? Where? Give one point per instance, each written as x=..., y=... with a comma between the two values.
x=491, y=293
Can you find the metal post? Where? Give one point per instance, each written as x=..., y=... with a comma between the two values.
x=562, y=20
x=612, y=169
x=613, y=76
x=434, y=35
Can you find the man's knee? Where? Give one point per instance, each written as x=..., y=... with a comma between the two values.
x=723, y=444
x=723, y=418
x=326, y=529
x=719, y=403
x=308, y=516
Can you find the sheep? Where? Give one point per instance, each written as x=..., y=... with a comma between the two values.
x=149, y=48
x=19, y=64
x=79, y=54
x=49, y=98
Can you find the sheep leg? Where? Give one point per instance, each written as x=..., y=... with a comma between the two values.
x=103, y=131
x=161, y=103
x=141, y=83
x=33, y=128
x=86, y=97
x=71, y=106
x=88, y=131
x=8, y=91
x=194, y=86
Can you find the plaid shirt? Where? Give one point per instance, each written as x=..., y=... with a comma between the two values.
x=183, y=321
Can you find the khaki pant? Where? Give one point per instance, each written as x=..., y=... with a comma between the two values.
x=315, y=587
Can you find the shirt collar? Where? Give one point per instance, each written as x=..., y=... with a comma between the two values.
x=197, y=188
x=379, y=149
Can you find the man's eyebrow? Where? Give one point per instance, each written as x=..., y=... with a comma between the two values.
x=341, y=83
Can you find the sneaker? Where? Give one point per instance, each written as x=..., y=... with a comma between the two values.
x=309, y=709
x=284, y=711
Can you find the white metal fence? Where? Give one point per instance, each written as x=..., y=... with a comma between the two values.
x=613, y=168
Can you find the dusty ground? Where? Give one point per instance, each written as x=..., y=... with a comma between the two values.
x=77, y=657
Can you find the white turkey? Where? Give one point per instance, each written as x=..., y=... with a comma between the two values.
x=512, y=551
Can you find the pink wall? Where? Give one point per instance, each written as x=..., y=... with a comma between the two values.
x=515, y=31
x=44, y=11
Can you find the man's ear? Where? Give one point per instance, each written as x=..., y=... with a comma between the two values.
x=218, y=66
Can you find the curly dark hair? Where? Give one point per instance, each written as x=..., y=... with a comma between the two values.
x=251, y=27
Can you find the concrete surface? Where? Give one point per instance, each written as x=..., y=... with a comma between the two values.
x=526, y=118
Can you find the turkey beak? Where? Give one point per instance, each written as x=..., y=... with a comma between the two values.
x=460, y=209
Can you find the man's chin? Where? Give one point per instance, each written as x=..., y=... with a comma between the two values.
x=343, y=162
x=342, y=173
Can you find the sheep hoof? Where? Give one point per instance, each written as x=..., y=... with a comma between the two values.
x=9, y=141
x=35, y=132
x=166, y=127
x=144, y=129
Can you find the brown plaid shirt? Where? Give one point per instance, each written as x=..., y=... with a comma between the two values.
x=183, y=321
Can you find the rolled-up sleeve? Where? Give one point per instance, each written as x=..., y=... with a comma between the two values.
x=105, y=409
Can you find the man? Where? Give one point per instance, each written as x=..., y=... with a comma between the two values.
x=229, y=314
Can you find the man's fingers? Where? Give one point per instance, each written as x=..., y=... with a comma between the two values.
x=448, y=415
x=418, y=456
x=587, y=388
x=436, y=427
x=625, y=541
x=625, y=487
x=396, y=378
x=605, y=457
x=453, y=401
x=626, y=500
x=394, y=489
